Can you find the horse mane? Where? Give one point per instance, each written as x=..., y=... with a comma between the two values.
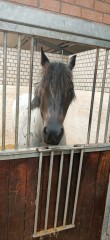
x=35, y=103
x=55, y=76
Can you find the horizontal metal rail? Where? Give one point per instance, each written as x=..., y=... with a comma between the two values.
x=32, y=152
x=53, y=231
x=35, y=18
x=29, y=30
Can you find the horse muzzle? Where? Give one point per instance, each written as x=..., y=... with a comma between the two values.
x=53, y=136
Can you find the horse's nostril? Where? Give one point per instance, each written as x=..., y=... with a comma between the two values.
x=53, y=136
x=61, y=133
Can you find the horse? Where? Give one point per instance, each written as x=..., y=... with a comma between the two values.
x=49, y=105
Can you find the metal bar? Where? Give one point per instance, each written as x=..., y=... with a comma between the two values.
x=31, y=152
x=92, y=97
x=102, y=95
x=58, y=191
x=77, y=186
x=17, y=91
x=4, y=92
x=52, y=231
x=30, y=91
x=38, y=194
x=107, y=120
x=68, y=187
x=48, y=190
x=36, y=18
x=36, y=31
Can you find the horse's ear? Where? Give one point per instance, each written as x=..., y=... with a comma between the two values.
x=44, y=58
x=72, y=62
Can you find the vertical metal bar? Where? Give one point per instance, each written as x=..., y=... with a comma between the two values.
x=17, y=91
x=77, y=186
x=48, y=190
x=30, y=91
x=38, y=195
x=62, y=55
x=68, y=187
x=107, y=120
x=58, y=190
x=4, y=92
x=92, y=97
x=102, y=94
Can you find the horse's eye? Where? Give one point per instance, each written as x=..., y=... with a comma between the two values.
x=71, y=90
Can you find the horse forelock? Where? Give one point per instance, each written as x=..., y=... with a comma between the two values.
x=56, y=77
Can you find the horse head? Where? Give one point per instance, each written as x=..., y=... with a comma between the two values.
x=53, y=96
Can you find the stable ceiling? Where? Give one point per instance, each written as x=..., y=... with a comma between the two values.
x=49, y=45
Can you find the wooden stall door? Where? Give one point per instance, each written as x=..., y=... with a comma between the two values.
x=18, y=180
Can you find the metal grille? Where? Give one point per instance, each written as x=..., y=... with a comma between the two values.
x=32, y=44
x=56, y=228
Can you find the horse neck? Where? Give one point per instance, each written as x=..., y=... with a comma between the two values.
x=36, y=119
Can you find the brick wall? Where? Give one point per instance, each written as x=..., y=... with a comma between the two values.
x=93, y=10
x=83, y=71
x=24, y=65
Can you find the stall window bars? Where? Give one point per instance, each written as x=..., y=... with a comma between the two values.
x=56, y=228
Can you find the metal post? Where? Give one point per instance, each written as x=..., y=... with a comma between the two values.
x=77, y=186
x=58, y=190
x=102, y=94
x=17, y=91
x=30, y=91
x=48, y=190
x=62, y=54
x=107, y=120
x=68, y=187
x=38, y=195
x=4, y=92
x=92, y=97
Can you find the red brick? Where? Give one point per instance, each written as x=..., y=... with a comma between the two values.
x=50, y=5
x=70, y=9
x=85, y=3
x=92, y=15
x=106, y=19
x=68, y=1
x=108, y=1
x=102, y=7
x=32, y=3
